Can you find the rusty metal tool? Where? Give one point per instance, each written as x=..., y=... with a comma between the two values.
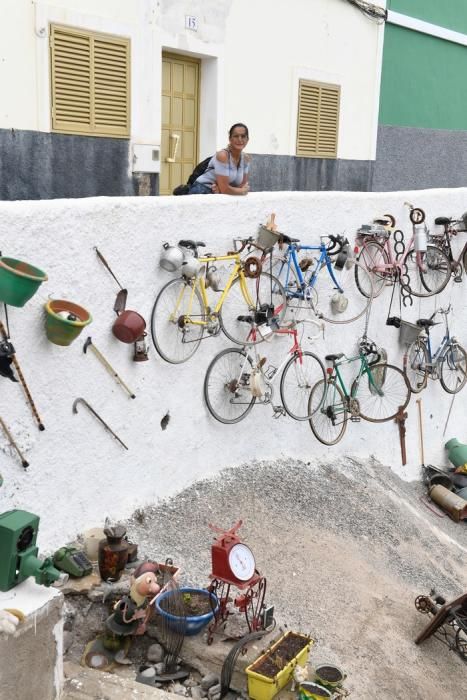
x=120, y=301
x=420, y=432
x=107, y=365
x=5, y=336
x=401, y=415
x=24, y=462
x=107, y=427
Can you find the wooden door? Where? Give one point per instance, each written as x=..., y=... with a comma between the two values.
x=180, y=103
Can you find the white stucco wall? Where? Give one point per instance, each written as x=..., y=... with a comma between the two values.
x=78, y=474
x=252, y=58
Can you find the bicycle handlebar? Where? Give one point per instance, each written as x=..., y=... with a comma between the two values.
x=336, y=245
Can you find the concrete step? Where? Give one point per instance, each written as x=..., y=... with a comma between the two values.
x=87, y=684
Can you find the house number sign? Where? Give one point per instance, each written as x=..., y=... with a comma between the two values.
x=191, y=23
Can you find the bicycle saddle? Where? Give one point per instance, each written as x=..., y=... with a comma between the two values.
x=288, y=239
x=192, y=244
x=442, y=220
x=332, y=358
x=425, y=322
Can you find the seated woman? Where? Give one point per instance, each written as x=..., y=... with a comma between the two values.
x=227, y=172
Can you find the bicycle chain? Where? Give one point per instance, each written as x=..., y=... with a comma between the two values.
x=404, y=277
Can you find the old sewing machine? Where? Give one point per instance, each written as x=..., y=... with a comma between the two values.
x=233, y=564
x=448, y=622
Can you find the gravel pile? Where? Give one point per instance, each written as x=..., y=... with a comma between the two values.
x=346, y=547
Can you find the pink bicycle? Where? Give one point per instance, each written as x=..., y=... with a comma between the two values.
x=422, y=269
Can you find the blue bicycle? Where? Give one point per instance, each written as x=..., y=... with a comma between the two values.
x=448, y=363
x=321, y=278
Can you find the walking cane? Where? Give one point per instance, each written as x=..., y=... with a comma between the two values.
x=24, y=462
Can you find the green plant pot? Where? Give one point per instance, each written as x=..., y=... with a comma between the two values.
x=61, y=329
x=19, y=281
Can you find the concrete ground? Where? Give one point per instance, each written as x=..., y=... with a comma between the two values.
x=346, y=548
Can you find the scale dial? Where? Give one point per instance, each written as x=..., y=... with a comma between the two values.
x=242, y=562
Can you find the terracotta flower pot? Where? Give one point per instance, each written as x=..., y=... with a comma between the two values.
x=129, y=326
x=65, y=321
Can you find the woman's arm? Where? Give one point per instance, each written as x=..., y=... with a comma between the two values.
x=222, y=178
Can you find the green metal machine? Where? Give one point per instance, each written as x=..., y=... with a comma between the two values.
x=18, y=552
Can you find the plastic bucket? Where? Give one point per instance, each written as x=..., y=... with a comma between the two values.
x=65, y=321
x=313, y=691
x=19, y=281
x=329, y=675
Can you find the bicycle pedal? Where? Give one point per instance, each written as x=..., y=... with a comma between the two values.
x=278, y=411
x=457, y=279
x=355, y=419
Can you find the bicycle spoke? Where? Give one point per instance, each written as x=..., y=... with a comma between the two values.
x=227, y=386
x=453, y=375
x=329, y=416
x=372, y=257
x=175, y=338
x=416, y=366
x=342, y=303
x=381, y=391
x=300, y=375
x=434, y=275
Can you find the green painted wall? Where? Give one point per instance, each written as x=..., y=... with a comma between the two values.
x=447, y=13
x=423, y=82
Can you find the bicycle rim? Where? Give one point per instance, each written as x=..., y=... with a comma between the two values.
x=372, y=255
x=300, y=375
x=227, y=386
x=321, y=421
x=382, y=404
x=263, y=291
x=416, y=367
x=453, y=369
x=344, y=306
x=436, y=276
x=174, y=338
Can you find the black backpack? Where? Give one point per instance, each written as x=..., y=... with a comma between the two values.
x=199, y=170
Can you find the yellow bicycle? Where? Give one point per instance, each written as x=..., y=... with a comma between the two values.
x=182, y=313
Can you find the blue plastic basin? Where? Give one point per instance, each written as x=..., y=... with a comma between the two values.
x=192, y=624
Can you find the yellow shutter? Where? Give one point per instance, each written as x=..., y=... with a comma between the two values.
x=318, y=119
x=90, y=83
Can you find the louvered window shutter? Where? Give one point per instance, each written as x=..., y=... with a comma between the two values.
x=318, y=119
x=90, y=83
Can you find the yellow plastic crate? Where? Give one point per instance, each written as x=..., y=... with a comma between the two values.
x=264, y=688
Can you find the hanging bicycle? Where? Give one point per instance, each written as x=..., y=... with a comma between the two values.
x=448, y=362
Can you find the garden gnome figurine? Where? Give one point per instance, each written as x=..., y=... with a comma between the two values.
x=131, y=613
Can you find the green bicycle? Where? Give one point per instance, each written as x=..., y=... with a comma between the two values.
x=377, y=393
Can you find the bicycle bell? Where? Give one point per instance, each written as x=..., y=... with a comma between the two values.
x=171, y=257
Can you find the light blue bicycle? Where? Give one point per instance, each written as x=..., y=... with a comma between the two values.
x=321, y=278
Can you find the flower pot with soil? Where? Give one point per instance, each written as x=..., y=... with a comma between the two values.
x=64, y=321
x=274, y=669
x=197, y=607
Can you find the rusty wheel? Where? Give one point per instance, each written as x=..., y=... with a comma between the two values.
x=424, y=604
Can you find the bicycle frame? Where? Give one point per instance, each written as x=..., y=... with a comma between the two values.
x=395, y=264
x=437, y=358
x=364, y=368
x=291, y=259
x=198, y=282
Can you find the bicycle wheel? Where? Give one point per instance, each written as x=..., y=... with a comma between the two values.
x=436, y=275
x=300, y=375
x=453, y=369
x=227, y=386
x=264, y=291
x=415, y=366
x=372, y=255
x=342, y=305
x=328, y=422
x=381, y=403
x=174, y=337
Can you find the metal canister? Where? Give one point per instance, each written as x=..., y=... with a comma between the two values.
x=420, y=241
x=449, y=501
